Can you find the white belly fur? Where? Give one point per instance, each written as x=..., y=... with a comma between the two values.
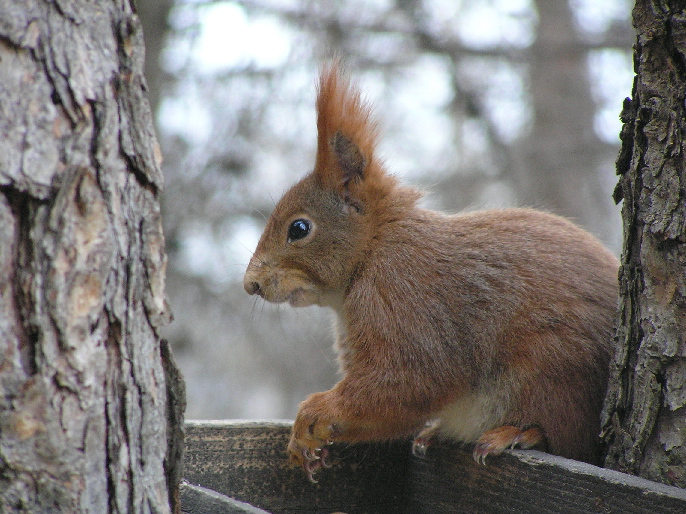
x=470, y=416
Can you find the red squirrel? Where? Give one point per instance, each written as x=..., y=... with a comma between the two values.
x=491, y=327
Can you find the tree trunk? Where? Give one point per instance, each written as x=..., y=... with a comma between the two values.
x=645, y=410
x=89, y=397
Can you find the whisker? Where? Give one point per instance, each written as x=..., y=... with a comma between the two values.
x=246, y=248
x=262, y=214
x=253, y=309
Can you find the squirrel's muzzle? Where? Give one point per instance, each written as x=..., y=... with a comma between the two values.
x=252, y=287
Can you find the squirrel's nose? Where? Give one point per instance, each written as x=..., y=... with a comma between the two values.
x=251, y=279
x=250, y=282
x=252, y=287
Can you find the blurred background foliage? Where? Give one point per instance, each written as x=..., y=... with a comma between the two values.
x=482, y=103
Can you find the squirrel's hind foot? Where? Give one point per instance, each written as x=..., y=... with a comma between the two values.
x=493, y=442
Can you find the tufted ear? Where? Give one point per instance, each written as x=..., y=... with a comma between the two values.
x=346, y=141
x=346, y=131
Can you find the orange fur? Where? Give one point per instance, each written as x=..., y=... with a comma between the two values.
x=340, y=107
x=472, y=321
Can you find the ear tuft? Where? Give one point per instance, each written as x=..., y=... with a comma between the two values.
x=350, y=159
x=346, y=141
x=346, y=130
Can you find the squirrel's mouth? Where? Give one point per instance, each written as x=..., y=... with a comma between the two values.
x=298, y=298
x=280, y=289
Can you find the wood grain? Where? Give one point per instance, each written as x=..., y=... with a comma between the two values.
x=247, y=461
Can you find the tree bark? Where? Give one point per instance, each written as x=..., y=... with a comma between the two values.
x=645, y=409
x=85, y=407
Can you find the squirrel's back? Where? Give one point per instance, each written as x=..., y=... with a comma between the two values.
x=514, y=306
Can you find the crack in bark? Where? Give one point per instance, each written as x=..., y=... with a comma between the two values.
x=23, y=206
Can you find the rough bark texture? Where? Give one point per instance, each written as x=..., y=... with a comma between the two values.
x=645, y=410
x=84, y=405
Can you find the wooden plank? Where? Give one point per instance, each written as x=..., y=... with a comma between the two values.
x=247, y=461
x=448, y=480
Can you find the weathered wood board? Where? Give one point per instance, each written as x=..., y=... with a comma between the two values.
x=247, y=461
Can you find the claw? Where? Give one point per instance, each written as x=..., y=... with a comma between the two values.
x=311, y=467
x=419, y=447
x=421, y=444
x=311, y=454
x=483, y=450
x=323, y=458
x=315, y=459
x=424, y=438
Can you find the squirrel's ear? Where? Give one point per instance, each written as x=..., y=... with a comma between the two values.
x=349, y=156
x=346, y=131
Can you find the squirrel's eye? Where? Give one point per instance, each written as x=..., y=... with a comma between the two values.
x=298, y=230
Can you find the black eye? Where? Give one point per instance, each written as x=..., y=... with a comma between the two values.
x=298, y=230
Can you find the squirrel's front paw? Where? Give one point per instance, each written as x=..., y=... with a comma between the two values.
x=312, y=432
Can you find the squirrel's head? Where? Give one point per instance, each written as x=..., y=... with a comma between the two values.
x=321, y=229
